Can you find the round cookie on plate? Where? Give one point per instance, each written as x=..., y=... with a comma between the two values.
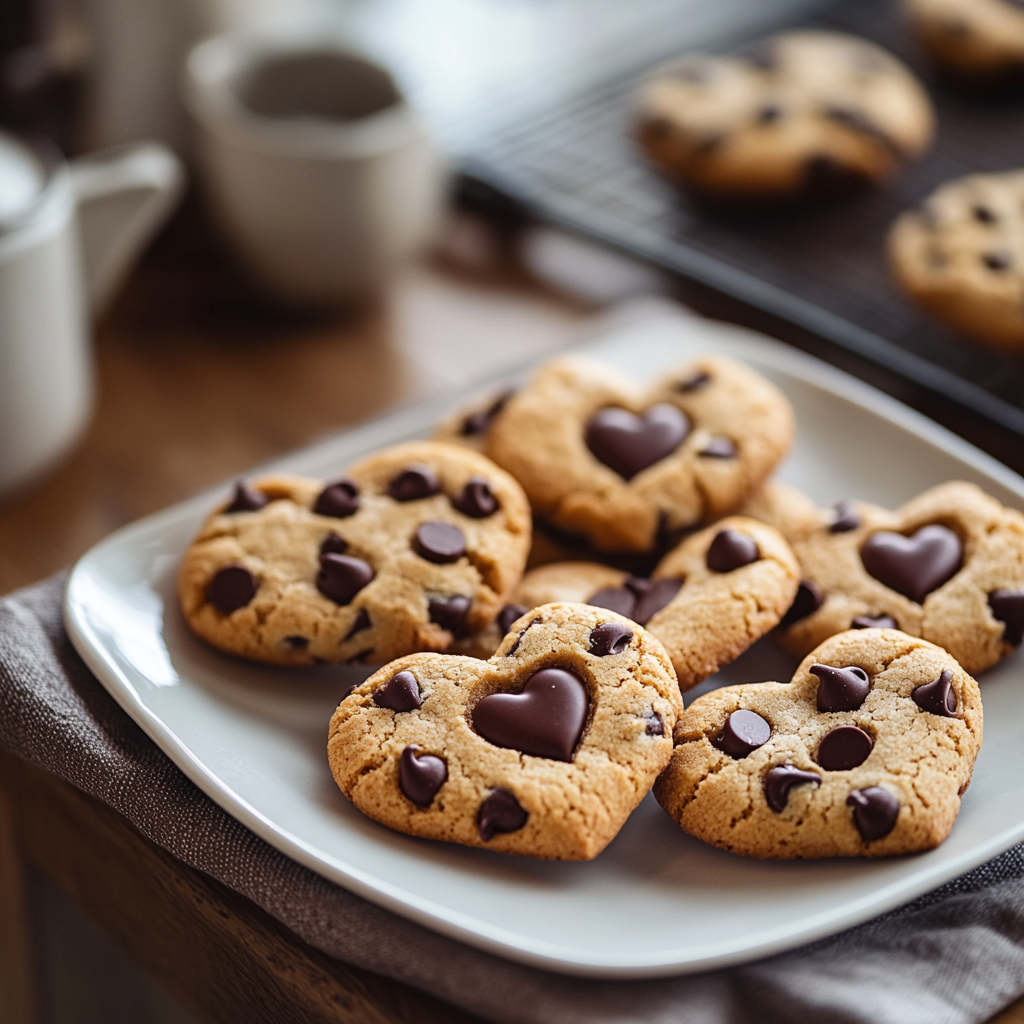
x=544, y=750
x=625, y=468
x=979, y=42
x=417, y=545
x=866, y=752
x=800, y=115
x=960, y=255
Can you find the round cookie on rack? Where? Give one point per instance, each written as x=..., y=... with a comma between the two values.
x=800, y=115
x=960, y=255
x=417, y=545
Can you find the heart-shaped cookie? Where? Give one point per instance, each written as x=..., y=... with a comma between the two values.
x=948, y=567
x=543, y=750
x=625, y=469
x=707, y=601
x=865, y=753
x=418, y=545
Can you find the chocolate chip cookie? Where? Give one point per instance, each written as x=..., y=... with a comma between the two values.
x=948, y=566
x=415, y=546
x=801, y=115
x=960, y=256
x=543, y=750
x=626, y=468
x=866, y=752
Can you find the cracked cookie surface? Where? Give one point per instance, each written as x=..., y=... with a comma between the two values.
x=865, y=753
x=543, y=750
x=418, y=544
x=624, y=467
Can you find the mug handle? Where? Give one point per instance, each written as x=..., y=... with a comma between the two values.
x=123, y=194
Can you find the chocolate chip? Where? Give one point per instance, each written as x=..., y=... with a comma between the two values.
x=341, y=577
x=743, y=732
x=439, y=542
x=519, y=639
x=545, y=720
x=719, y=448
x=1008, y=607
x=420, y=776
x=499, y=813
x=609, y=638
x=983, y=215
x=361, y=657
x=913, y=566
x=400, y=693
x=340, y=499
x=451, y=613
x=768, y=114
x=231, y=588
x=731, y=549
x=479, y=422
x=844, y=748
x=807, y=601
x=997, y=260
x=476, y=499
x=297, y=643
x=628, y=443
x=655, y=726
x=694, y=382
x=875, y=811
x=781, y=779
x=362, y=622
x=845, y=519
x=247, y=499
x=859, y=122
x=509, y=614
x=841, y=689
x=333, y=545
x=615, y=599
x=414, y=482
x=874, y=622
x=652, y=597
x=937, y=697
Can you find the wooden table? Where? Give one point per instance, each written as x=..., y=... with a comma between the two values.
x=200, y=378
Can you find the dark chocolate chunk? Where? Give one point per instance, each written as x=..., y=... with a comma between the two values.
x=841, y=689
x=340, y=499
x=844, y=748
x=997, y=260
x=247, y=499
x=859, y=122
x=1008, y=607
x=781, y=779
x=545, y=720
x=731, y=549
x=420, y=776
x=694, y=382
x=913, y=566
x=807, y=601
x=719, y=448
x=450, y=614
x=400, y=693
x=628, y=443
x=480, y=421
x=476, y=499
x=615, y=599
x=296, y=642
x=509, y=614
x=874, y=622
x=362, y=622
x=655, y=726
x=499, y=813
x=414, y=482
x=875, y=811
x=341, y=577
x=743, y=732
x=519, y=639
x=231, y=588
x=439, y=542
x=333, y=544
x=983, y=215
x=609, y=638
x=846, y=518
x=938, y=696
x=768, y=114
x=652, y=597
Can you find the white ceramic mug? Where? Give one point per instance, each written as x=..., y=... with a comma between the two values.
x=319, y=172
x=68, y=234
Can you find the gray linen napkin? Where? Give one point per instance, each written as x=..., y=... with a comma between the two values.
x=951, y=957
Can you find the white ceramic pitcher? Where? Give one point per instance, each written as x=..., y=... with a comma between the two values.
x=68, y=234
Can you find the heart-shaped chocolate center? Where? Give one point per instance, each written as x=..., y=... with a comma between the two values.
x=629, y=443
x=545, y=720
x=913, y=566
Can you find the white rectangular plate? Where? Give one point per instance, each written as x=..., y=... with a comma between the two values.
x=656, y=901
